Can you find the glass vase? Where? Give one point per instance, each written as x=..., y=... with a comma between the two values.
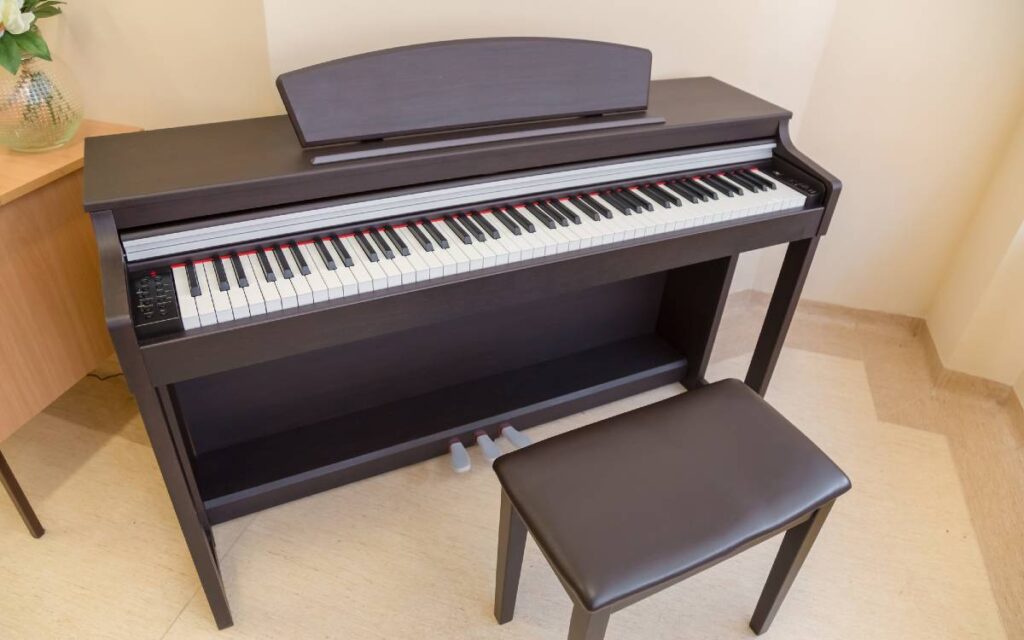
x=40, y=108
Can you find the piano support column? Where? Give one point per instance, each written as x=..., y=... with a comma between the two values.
x=791, y=280
x=172, y=461
x=691, y=309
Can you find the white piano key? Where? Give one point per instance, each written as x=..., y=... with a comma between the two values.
x=463, y=261
x=268, y=290
x=221, y=302
x=204, y=302
x=363, y=278
x=186, y=303
x=239, y=303
x=391, y=271
x=434, y=267
x=253, y=293
x=421, y=270
x=378, y=279
x=447, y=260
x=303, y=292
x=330, y=277
x=406, y=268
x=315, y=279
x=289, y=298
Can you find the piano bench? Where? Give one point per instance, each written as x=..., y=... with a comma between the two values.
x=633, y=504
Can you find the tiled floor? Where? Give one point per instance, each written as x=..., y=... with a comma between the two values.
x=926, y=545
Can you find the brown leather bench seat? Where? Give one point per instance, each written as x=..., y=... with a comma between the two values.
x=649, y=496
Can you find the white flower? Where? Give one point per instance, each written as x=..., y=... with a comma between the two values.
x=12, y=19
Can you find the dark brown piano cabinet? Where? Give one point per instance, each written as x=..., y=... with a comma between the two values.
x=248, y=414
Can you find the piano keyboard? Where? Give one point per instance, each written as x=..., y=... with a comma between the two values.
x=237, y=285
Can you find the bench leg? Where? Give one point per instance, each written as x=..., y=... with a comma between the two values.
x=795, y=547
x=511, y=545
x=588, y=625
x=20, y=501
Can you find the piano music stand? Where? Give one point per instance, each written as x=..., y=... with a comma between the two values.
x=502, y=89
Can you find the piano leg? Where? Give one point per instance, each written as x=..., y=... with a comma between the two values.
x=191, y=515
x=791, y=280
x=21, y=503
x=156, y=406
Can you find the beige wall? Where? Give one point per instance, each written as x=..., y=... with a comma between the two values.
x=159, y=64
x=977, y=318
x=911, y=106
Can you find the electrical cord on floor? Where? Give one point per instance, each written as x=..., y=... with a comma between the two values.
x=102, y=378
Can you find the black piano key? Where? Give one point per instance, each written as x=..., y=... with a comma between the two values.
x=435, y=234
x=382, y=244
x=662, y=201
x=595, y=205
x=421, y=237
x=268, y=271
x=689, y=185
x=367, y=248
x=507, y=221
x=678, y=188
x=564, y=210
x=282, y=262
x=298, y=258
x=721, y=185
x=744, y=181
x=666, y=194
x=520, y=219
x=346, y=257
x=737, y=188
x=701, y=188
x=222, y=276
x=589, y=211
x=485, y=224
x=753, y=175
x=550, y=212
x=471, y=227
x=193, y=280
x=638, y=202
x=541, y=216
x=613, y=199
x=396, y=240
x=457, y=229
x=325, y=255
x=236, y=264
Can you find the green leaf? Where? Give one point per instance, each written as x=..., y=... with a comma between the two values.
x=10, y=55
x=46, y=12
x=25, y=8
x=32, y=42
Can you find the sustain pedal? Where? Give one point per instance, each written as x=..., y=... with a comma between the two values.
x=518, y=440
x=459, y=457
x=487, y=446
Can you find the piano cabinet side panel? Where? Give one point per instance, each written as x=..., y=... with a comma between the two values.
x=232, y=407
x=173, y=462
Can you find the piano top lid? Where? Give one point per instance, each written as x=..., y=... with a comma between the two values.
x=169, y=175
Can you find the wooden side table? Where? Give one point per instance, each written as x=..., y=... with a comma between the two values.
x=52, y=330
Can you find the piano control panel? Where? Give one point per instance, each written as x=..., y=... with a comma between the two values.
x=154, y=302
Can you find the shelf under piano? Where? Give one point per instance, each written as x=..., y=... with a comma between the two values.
x=254, y=474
